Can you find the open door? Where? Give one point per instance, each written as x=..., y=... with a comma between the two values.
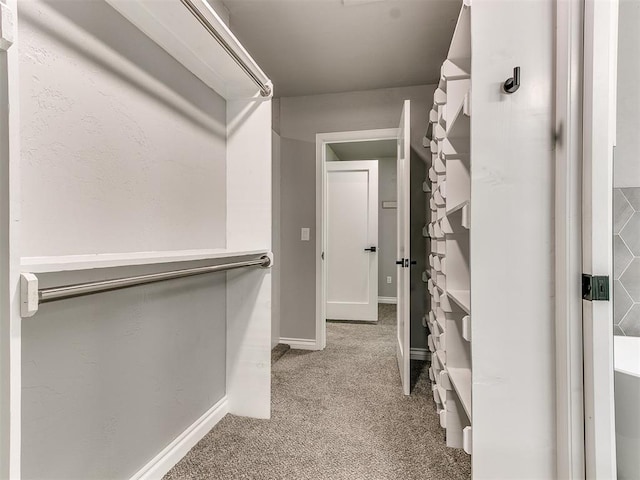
x=403, y=345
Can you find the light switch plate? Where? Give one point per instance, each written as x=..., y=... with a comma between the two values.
x=304, y=234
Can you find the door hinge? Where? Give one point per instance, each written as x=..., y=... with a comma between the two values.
x=595, y=287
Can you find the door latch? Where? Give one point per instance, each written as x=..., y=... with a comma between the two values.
x=595, y=287
x=371, y=249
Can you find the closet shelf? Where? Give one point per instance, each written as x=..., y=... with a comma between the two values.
x=442, y=358
x=67, y=263
x=449, y=152
x=174, y=28
x=441, y=319
x=451, y=71
x=455, y=208
x=462, y=298
x=460, y=378
x=459, y=129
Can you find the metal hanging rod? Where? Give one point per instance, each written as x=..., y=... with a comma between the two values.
x=32, y=296
x=265, y=90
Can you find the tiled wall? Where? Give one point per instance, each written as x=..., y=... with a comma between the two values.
x=626, y=261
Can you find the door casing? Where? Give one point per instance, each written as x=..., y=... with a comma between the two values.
x=322, y=139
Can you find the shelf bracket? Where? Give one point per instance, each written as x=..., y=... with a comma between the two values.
x=29, y=299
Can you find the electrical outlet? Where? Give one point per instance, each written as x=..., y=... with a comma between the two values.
x=388, y=279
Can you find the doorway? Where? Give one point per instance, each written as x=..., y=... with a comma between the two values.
x=335, y=148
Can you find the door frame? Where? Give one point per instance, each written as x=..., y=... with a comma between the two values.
x=599, y=124
x=585, y=99
x=570, y=443
x=322, y=139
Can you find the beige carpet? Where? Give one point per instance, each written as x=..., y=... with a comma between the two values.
x=337, y=414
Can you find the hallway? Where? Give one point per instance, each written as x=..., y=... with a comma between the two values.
x=336, y=414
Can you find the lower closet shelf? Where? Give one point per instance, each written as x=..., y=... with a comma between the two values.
x=462, y=298
x=460, y=378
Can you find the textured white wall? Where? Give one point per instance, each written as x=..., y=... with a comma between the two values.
x=123, y=149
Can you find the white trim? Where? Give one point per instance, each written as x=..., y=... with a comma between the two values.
x=176, y=450
x=300, y=343
x=110, y=260
x=389, y=300
x=599, y=112
x=10, y=321
x=321, y=140
x=570, y=458
x=419, y=354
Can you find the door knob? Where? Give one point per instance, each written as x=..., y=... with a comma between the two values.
x=400, y=262
x=371, y=249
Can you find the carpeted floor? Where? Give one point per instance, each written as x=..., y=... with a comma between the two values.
x=338, y=414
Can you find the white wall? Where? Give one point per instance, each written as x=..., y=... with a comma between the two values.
x=123, y=150
x=102, y=118
x=512, y=241
x=301, y=118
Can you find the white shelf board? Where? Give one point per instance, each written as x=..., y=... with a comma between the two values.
x=450, y=153
x=67, y=263
x=452, y=71
x=455, y=107
x=462, y=298
x=455, y=208
x=460, y=378
x=179, y=33
x=441, y=319
x=442, y=357
x=460, y=48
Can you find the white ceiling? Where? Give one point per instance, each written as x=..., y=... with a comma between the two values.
x=371, y=150
x=309, y=47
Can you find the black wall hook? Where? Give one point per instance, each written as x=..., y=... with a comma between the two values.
x=512, y=84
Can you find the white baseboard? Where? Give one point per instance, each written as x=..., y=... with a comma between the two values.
x=419, y=354
x=300, y=343
x=173, y=453
x=392, y=300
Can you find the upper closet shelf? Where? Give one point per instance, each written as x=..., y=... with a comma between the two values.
x=193, y=33
x=450, y=71
x=460, y=378
x=460, y=49
x=111, y=260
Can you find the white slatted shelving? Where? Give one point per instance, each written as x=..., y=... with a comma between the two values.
x=449, y=225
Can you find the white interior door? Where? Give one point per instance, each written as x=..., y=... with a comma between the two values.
x=403, y=344
x=352, y=240
x=599, y=138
